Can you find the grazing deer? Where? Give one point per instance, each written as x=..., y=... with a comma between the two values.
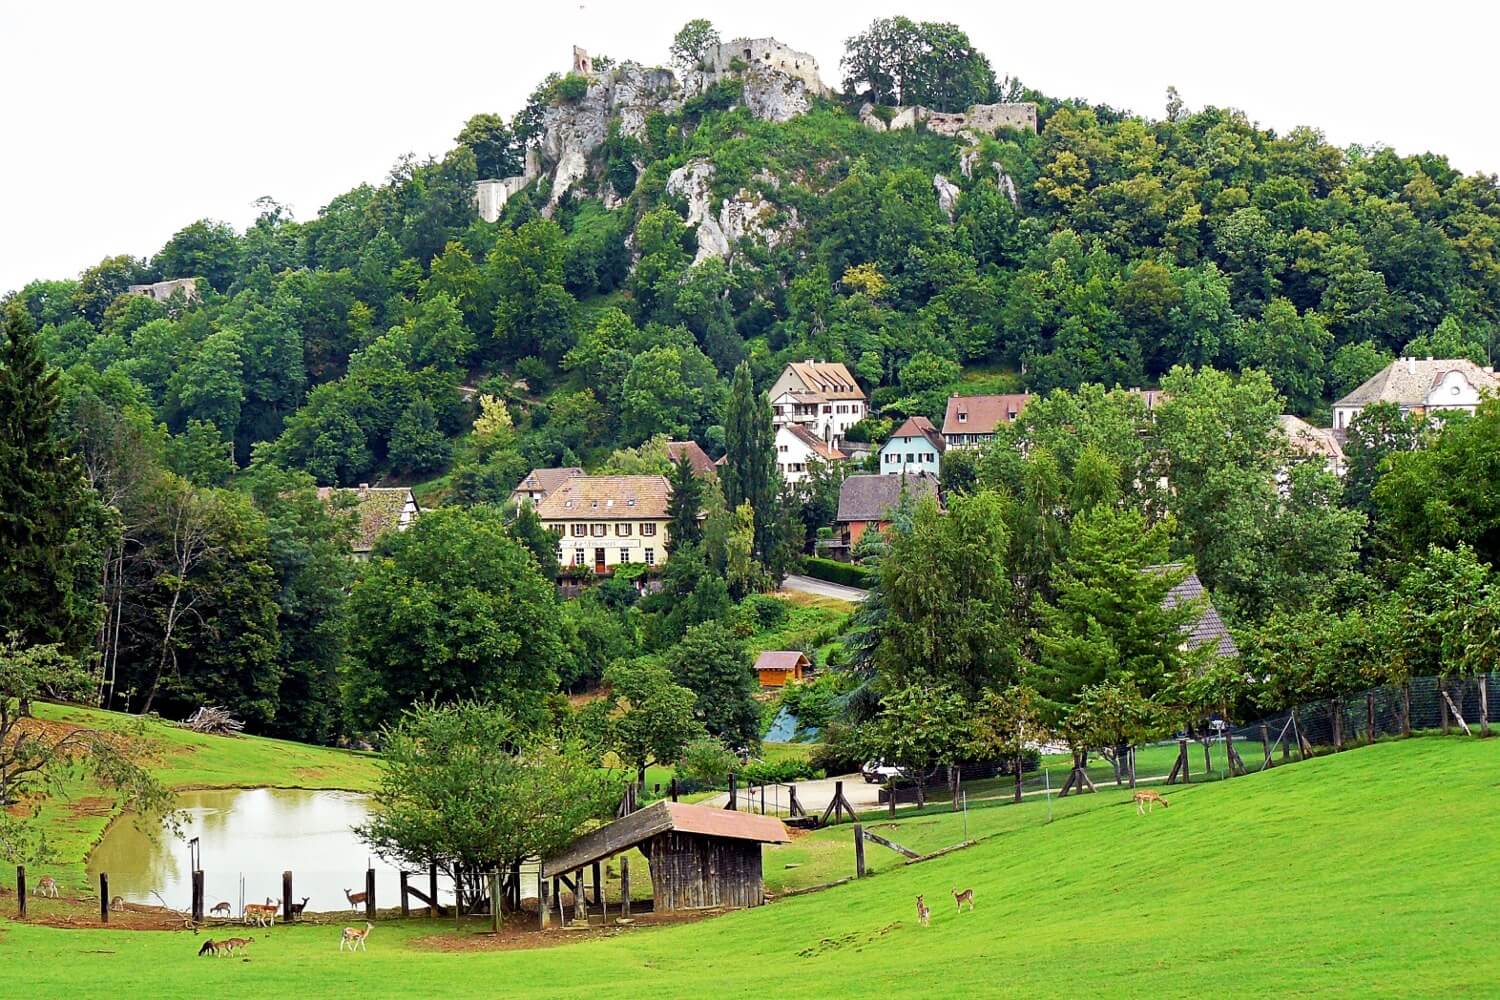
x=967, y=896
x=209, y=948
x=231, y=945
x=117, y=904
x=297, y=908
x=356, y=899
x=1147, y=800
x=46, y=886
x=355, y=938
x=221, y=910
x=264, y=914
x=924, y=915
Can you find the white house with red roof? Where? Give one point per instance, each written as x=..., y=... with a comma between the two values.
x=797, y=448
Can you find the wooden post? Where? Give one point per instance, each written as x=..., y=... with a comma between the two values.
x=562, y=917
x=541, y=897
x=1442, y=704
x=369, y=894
x=198, y=896
x=495, y=902
x=1406, y=710
x=891, y=798
x=515, y=887
x=458, y=896
x=405, y=903
x=733, y=795
x=1369, y=717
x=674, y=789
x=1229, y=754
x=580, y=903
x=21, y=892
x=598, y=884
x=1265, y=744
x=432, y=909
x=1018, y=778
x=1208, y=764
x=625, y=887
x=286, y=897
x=103, y=898
x=838, y=801
x=1484, y=704
x=859, y=851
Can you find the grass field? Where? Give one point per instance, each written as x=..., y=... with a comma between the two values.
x=1366, y=873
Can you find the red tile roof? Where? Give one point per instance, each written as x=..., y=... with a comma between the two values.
x=984, y=413
x=819, y=447
x=697, y=457
x=920, y=426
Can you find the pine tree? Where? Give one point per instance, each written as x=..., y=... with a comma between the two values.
x=750, y=470
x=684, y=506
x=50, y=523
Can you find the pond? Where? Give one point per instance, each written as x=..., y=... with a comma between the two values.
x=252, y=834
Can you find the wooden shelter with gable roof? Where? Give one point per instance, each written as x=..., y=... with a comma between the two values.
x=699, y=856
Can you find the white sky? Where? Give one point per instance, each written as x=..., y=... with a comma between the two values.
x=122, y=122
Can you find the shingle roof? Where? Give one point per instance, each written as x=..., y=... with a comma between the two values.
x=697, y=457
x=1407, y=381
x=817, y=445
x=870, y=497
x=920, y=426
x=547, y=480
x=1210, y=627
x=597, y=498
x=376, y=510
x=1314, y=442
x=984, y=413
x=779, y=659
x=660, y=817
x=827, y=379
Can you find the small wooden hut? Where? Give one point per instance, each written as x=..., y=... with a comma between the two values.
x=780, y=667
x=699, y=856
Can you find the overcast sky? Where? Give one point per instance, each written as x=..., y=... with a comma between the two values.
x=121, y=123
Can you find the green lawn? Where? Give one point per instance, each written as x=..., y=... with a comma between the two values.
x=1367, y=873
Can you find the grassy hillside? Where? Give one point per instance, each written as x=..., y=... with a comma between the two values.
x=1369, y=872
x=184, y=759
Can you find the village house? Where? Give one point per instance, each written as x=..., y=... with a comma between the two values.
x=1209, y=628
x=777, y=668
x=916, y=446
x=696, y=456
x=819, y=395
x=606, y=521
x=1316, y=443
x=970, y=421
x=797, y=449
x=866, y=502
x=1421, y=386
x=376, y=510
x=539, y=483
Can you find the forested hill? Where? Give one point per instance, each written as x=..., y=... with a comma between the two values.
x=662, y=227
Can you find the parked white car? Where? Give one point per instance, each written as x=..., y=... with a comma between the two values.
x=878, y=773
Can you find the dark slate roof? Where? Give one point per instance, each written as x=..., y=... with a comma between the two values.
x=869, y=497
x=1210, y=627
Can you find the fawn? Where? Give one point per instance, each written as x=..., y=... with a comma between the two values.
x=1145, y=801
x=355, y=938
x=231, y=945
x=46, y=886
x=210, y=947
x=967, y=896
x=264, y=914
x=356, y=899
x=924, y=915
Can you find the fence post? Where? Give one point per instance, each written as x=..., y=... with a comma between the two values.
x=674, y=789
x=838, y=801
x=405, y=903
x=1187, y=769
x=732, y=792
x=541, y=896
x=21, y=892
x=625, y=887
x=1228, y=751
x=432, y=910
x=103, y=898
x=1484, y=704
x=1265, y=745
x=286, y=897
x=1019, y=769
x=369, y=894
x=1369, y=717
x=495, y=901
x=198, y=896
x=580, y=901
x=598, y=885
x=1442, y=704
x=859, y=851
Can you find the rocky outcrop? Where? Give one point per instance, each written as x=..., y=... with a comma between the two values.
x=1007, y=186
x=947, y=195
x=982, y=118
x=745, y=216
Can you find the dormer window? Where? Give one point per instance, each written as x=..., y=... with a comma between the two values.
x=963, y=417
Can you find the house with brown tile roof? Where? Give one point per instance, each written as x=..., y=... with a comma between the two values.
x=821, y=396
x=915, y=446
x=696, y=456
x=797, y=448
x=375, y=510
x=866, y=502
x=970, y=421
x=541, y=482
x=604, y=521
x=1316, y=443
x=1420, y=385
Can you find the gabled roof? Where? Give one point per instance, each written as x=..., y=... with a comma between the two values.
x=1210, y=628
x=815, y=444
x=376, y=510
x=919, y=426
x=781, y=659
x=1407, y=381
x=825, y=379
x=598, y=498
x=662, y=817
x=870, y=497
x=546, y=480
x=696, y=456
x=1314, y=442
x=983, y=413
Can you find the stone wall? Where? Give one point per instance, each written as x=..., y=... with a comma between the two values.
x=161, y=291
x=490, y=196
x=764, y=54
x=978, y=118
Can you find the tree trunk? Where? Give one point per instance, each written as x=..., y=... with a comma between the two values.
x=1406, y=710
x=1018, y=778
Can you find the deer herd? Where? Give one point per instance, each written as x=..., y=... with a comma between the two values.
x=264, y=915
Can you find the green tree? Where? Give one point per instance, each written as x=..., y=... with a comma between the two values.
x=206, y=249
x=685, y=505
x=418, y=445
x=919, y=727
x=712, y=662
x=1007, y=725
x=496, y=150
x=690, y=46
x=898, y=61
x=453, y=608
x=201, y=455
x=749, y=473
x=652, y=716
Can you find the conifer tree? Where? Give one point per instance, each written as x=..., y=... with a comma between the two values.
x=684, y=506
x=49, y=520
x=750, y=472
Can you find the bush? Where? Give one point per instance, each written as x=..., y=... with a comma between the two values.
x=815, y=702
x=571, y=88
x=765, y=612
x=707, y=762
x=837, y=572
x=765, y=772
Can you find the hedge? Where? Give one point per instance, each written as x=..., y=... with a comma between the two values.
x=838, y=572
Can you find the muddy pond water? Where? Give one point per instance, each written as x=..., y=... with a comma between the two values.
x=254, y=834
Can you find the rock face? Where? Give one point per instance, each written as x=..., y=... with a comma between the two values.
x=745, y=216
x=947, y=195
x=490, y=196
x=984, y=118
x=1007, y=186
x=766, y=56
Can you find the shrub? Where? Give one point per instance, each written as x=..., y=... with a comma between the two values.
x=764, y=611
x=571, y=88
x=707, y=762
x=837, y=572
x=762, y=772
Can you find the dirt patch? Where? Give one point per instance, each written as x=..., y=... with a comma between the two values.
x=521, y=931
x=91, y=805
x=83, y=914
x=311, y=773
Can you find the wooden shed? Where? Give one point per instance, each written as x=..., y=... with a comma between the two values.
x=699, y=856
x=780, y=667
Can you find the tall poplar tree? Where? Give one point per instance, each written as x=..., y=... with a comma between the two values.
x=50, y=523
x=684, y=506
x=750, y=473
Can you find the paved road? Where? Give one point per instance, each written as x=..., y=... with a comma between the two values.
x=814, y=795
x=807, y=585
